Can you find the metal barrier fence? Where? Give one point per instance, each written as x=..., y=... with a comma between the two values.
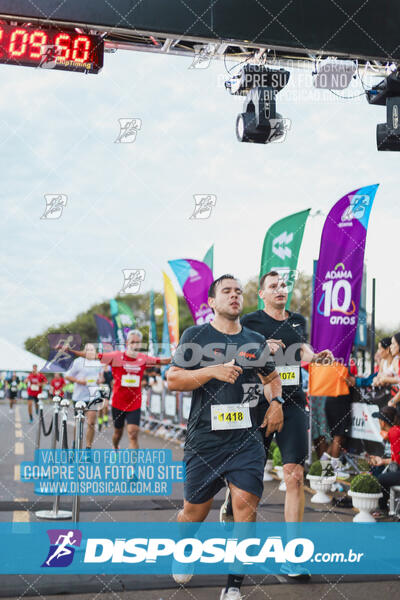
x=166, y=414
x=80, y=409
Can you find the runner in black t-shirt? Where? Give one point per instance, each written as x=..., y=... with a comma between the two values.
x=277, y=323
x=226, y=366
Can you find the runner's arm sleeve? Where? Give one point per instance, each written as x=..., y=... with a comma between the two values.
x=153, y=360
x=188, y=357
x=108, y=358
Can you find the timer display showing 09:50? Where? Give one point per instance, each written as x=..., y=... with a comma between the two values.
x=50, y=48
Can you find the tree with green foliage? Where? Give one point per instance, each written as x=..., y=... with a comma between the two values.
x=84, y=323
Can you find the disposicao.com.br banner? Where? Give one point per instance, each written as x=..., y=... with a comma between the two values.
x=208, y=548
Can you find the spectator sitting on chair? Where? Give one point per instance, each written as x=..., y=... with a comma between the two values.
x=388, y=373
x=395, y=352
x=389, y=422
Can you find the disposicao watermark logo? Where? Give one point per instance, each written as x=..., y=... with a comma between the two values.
x=132, y=280
x=128, y=129
x=62, y=547
x=203, y=205
x=55, y=204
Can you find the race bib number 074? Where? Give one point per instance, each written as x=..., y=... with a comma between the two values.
x=289, y=375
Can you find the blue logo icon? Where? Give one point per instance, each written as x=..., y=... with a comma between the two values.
x=62, y=547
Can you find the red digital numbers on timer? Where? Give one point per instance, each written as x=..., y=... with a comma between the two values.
x=28, y=44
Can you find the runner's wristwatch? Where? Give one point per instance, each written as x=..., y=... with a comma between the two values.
x=278, y=399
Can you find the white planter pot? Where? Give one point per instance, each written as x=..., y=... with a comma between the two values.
x=267, y=471
x=365, y=503
x=321, y=485
x=282, y=485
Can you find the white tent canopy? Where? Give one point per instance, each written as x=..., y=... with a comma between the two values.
x=14, y=358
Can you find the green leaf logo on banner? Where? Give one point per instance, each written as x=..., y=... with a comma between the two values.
x=281, y=249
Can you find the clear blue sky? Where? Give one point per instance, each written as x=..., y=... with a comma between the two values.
x=129, y=204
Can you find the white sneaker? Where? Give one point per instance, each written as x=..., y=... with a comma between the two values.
x=225, y=512
x=231, y=594
x=296, y=571
x=182, y=577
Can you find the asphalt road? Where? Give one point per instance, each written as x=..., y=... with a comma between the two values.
x=18, y=503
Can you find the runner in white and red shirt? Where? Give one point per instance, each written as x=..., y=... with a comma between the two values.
x=35, y=381
x=128, y=368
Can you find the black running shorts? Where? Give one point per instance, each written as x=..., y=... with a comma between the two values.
x=132, y=417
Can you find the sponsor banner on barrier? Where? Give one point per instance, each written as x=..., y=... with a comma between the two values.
x=363, y=425
x=209, y=548
x=155, y=404
x=170, y=405
x=103, y=472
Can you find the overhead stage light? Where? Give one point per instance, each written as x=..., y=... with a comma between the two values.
x=259, y=122
x=387, y=92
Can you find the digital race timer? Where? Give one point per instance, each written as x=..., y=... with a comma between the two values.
x=50, y=48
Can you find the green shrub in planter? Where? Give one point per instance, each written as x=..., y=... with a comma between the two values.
x=365, y=483
x=316, y=469
x=271, y=450
x=277, y=457
x=363, y=465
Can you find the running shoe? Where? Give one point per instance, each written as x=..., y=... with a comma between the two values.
x=295, y=571
x=30, y=419
x=231, y=594
x=185, y=574
x=226, y=512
